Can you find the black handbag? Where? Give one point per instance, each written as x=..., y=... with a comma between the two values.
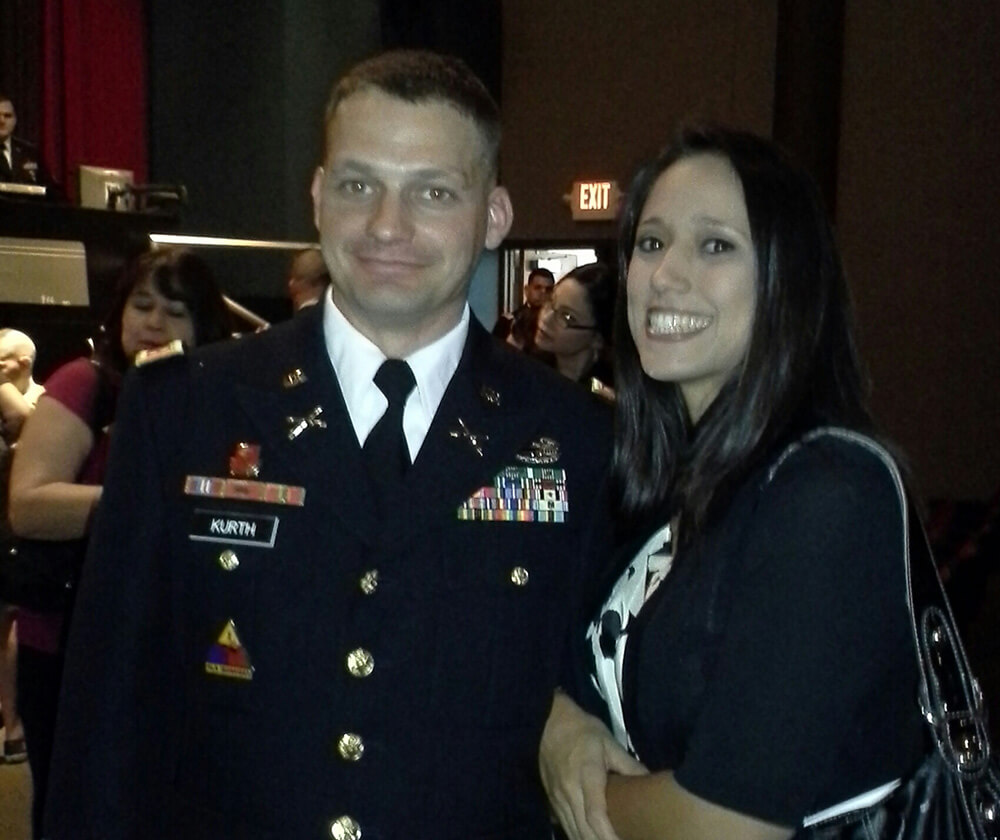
x=954, y=794
x=41, y=575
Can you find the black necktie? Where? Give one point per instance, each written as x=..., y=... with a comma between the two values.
x=385, y=449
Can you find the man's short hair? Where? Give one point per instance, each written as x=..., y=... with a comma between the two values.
x=544, y=273
x=419, y=76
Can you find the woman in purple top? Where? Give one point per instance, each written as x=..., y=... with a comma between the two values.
x=56, y=478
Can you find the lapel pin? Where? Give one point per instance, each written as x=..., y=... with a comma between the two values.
x=294, y=377
x=476, y=441
x=490, y=396
x=297, y=425
x=545, y=450
x=245, y=460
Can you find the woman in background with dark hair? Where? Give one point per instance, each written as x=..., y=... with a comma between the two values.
x=755, y=652
x=574, y=325
x=164, y=296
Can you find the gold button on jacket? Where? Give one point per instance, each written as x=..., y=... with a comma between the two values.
x=345, y=828
x=360, y=662
x=350, y=746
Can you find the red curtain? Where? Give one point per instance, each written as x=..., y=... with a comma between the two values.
x=94, y=108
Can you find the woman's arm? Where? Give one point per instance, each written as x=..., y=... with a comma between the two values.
x=576, y=754
x=599, y=792
x=14, y=409
x=655, y=807
x=45, y=501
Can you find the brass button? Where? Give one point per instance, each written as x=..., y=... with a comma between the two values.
x=369, y=581
x=360, y=662
x=228, y=560
x=519, y=576
x=345, y=828
x=350, y=746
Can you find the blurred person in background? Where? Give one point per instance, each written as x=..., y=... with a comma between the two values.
x=518, y=327
x=164, y=296
x=18, y=395
x=574, y=325
x=308, y=278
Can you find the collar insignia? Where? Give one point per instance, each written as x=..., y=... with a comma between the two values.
x=474, y=440
x=297, y=425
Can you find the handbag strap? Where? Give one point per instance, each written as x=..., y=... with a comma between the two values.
x=950, y=698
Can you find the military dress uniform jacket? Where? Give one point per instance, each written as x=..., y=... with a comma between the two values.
x=265, y=658
x=25, y=167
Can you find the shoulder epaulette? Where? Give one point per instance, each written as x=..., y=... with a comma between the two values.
x=167, y=351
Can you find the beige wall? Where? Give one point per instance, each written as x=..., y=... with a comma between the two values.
x=917, y=186
x=917, y=215
x=591, y=88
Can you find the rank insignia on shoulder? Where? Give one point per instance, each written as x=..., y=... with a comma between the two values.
x=227, y=657
x=545, y=450
x=167, y=351
x=602, y=390
x=520, y=494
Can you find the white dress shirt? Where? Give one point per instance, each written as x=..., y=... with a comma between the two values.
x=355, y=360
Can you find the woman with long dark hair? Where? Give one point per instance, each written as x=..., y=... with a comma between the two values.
x=574, y=325
x=754, y=653
x=163, y=296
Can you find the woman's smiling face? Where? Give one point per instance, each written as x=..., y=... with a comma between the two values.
x=692, y=279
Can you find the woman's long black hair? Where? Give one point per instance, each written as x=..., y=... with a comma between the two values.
x=802, y=366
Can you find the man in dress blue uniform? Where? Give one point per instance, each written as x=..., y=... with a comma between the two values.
x=19, y=161
x=297, y=620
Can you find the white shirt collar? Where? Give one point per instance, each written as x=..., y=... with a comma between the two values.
x=355, y=360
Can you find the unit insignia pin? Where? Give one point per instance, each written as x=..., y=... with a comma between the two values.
x=490, y=396
x=297, y=425
x=227, y=657
x=294, y=377
x=245, y=460
x=545, y=450
x=476, y=441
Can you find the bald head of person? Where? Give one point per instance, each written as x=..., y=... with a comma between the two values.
x=17, y=358
x=307, y=278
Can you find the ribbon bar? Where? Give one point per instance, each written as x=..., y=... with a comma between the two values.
x=245, y=490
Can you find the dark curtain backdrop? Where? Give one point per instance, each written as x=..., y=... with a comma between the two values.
x=93, y=87
x=76, y=71
x=21, y=61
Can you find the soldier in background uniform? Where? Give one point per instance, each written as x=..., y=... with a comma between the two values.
x=335, y=563
x=19, y=161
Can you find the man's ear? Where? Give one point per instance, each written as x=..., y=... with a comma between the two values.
x=316, y=191
x=499, y=218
